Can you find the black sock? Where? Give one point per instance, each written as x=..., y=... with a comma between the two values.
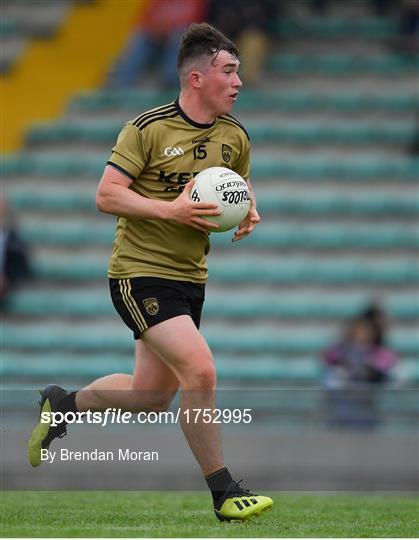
x=218, y=482
x=68, y=403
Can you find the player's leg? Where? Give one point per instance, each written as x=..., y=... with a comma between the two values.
x=151, y=387
x=181, y=345
x=184, y=349
x=120, y=389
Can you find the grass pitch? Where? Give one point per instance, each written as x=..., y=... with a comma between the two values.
x=187, y=514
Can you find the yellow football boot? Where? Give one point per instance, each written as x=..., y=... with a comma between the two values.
x=44, y=433
x=239, y=504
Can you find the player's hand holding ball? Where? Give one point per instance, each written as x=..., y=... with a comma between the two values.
x=194, y=213
x=248, y=224
x=231, y=193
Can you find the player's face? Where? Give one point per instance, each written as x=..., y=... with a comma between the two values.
x=222, y=83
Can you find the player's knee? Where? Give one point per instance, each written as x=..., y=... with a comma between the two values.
x=160, y=406
x=160, y=403
x=202, y=377
x=152, y=400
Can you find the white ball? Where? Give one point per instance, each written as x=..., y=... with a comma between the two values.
x=228, y=190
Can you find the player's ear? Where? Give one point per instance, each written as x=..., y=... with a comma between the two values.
x=195, y=79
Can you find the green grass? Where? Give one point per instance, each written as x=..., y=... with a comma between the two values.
x=186, y=514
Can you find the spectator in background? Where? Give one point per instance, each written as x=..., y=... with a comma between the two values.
x=354, y=367
x=253, y=25
x=375, y=314
x=359, y=357
x=14, y=258
x=154, y=42
x=408, y=39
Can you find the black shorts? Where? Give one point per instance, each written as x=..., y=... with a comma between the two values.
x=143, y=302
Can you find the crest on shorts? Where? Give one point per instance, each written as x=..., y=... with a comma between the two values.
x=151, y=306
x=226, y=152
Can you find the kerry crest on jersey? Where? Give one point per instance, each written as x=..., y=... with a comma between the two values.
x=226, y=151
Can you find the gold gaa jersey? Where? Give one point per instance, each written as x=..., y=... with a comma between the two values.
x=161, y=150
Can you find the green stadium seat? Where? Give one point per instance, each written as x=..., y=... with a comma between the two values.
x=365, y=203
x=305, y=169
x=52, y=365
x=293, y=133
x=281, y=271
x=342, y=64
x=52, y=165
x=327, y=28
x=298, y=133
x=84, y=303
x=110, y=99
x=94, y=132
x=405, y=342
x=37, y=366
x=69, y=200
x=9, y=26
x=288, y=270
x=330, y=236
x=253, y=100
x=336, y=28
x=38, y=337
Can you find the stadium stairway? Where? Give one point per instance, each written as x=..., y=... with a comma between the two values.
x=337, y=193
x=51, y=68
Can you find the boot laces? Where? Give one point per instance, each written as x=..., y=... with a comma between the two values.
x=235, y=490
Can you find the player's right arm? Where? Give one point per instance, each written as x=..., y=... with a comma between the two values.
x=114, y=197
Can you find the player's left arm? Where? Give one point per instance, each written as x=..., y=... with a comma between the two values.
x=250, y=221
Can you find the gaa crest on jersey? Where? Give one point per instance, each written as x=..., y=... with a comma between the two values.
x=151, y=306
x=226, y=152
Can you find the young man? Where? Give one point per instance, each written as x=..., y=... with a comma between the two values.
x=158, y=269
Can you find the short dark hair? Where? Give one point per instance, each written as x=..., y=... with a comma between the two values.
x=203, y=40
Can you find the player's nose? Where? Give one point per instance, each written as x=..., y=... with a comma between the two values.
x=237, y=83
